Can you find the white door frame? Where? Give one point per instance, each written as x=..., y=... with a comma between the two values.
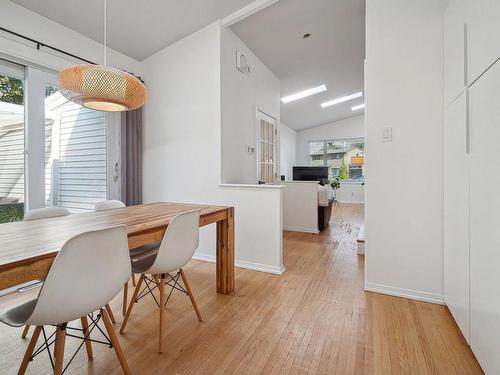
x=34, y=143
x=113, y=155
x=259, y=114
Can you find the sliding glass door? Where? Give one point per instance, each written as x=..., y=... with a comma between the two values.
x=52, y=152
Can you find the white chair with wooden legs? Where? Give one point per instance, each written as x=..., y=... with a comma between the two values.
x=68, y=293
x=37, y=214
x=134, y=253
x=176, y=249
x=46, y=213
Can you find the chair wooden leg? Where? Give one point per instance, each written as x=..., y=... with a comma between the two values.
x=133, y=279
x=29, y=350
x=162, y=312
x=110, y=313
x=125, y=299
x=25, y=331
x=132, y=303
x=59, y=349
x=114, y=341
x=88, y=344
x=190, y=294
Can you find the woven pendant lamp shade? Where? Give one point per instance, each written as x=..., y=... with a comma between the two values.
x=101, y=87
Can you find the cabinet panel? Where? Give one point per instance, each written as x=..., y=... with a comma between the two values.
x=485, y=220
x=456, y=222
x=483, y=35
x=454, y=50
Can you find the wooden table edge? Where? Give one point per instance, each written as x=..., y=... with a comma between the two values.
x=40, y=265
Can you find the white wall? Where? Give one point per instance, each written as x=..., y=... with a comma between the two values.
x=182, y=150
x=258, y=227
x=351, y=192
x=242, y=94
x=353, y=127
x=300, y=206
x=182, y=119
x=404, y=186
x=31, y=24
x=288, y=148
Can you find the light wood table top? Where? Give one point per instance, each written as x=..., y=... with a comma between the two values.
x=28, y=248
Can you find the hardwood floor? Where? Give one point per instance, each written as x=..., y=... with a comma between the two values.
x=315, y=319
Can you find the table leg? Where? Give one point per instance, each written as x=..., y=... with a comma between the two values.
x=225, y=254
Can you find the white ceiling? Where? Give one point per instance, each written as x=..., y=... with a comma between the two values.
x=333, y=54
x=136, y=28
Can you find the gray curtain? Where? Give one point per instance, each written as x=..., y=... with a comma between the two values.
x=131, y=160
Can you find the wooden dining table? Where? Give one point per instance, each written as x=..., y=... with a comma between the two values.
x=28, y=248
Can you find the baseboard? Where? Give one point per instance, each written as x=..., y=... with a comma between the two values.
x=242, y=264
x=405, y=293
x=304, y=230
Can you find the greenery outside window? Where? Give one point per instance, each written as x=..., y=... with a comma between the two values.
x=344, y=158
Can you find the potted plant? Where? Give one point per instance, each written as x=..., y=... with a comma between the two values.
x=334, y=182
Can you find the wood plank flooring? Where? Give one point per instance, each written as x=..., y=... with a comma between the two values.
x=315, y=319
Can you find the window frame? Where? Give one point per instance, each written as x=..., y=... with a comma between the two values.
x=35, y=80
x=325, y=154
x=17, y=71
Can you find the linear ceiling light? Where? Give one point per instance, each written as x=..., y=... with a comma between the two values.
x=341, y=99
x=356, y=107
x=303, y=94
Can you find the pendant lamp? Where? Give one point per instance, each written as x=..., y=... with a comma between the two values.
x=101, y=87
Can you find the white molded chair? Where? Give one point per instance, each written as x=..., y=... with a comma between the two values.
x=108, y=205
x=68, y=292
x=134, y=253
x=44, y=213
x=176, y=249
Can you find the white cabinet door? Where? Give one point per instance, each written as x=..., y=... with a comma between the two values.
x=485, y=220
x=456, y=215
x=454, y=50
x=483, y=35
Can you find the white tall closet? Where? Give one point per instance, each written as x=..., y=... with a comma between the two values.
x=472, y=174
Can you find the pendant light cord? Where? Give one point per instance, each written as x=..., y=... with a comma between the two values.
x=105, y=33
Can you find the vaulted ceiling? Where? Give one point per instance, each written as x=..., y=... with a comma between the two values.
x=332, y=55
x=136, y=28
